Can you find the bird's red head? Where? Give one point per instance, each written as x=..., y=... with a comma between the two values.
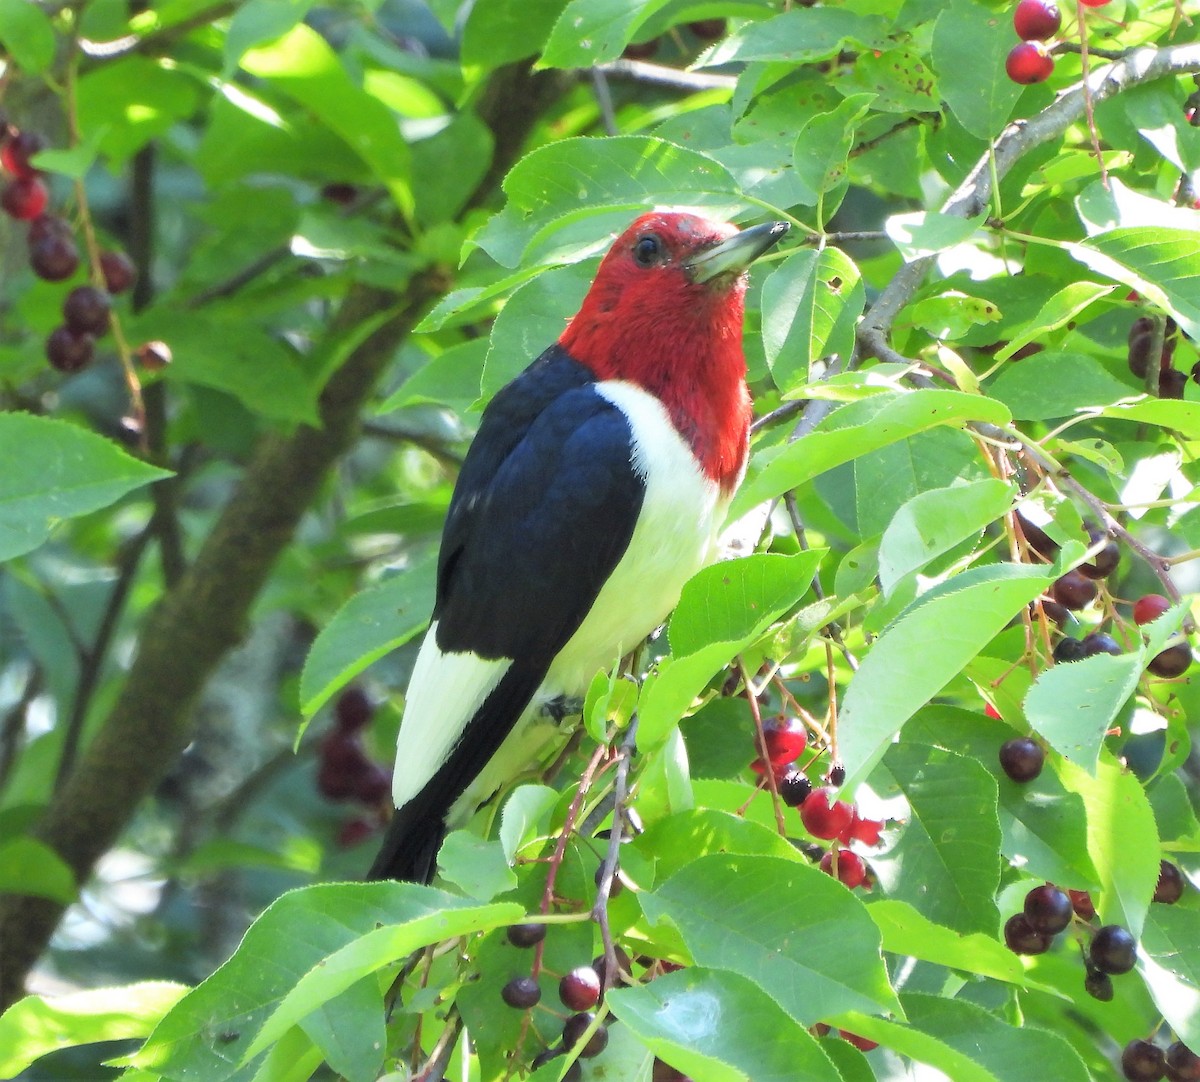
x=665, y=312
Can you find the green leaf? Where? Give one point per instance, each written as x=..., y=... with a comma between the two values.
x=77, y=472
x=810, y=303
x=922, y=233
x=371, y=624
x=1058, y=311
x=801, y=36
x=873, y=423
x=1170, y=962
x=38, y=1025
x=674, y=842
x=32, y=869
x=526, y=812
x=591, y=184
x=951, y=315
x=722, y=610
x=27, y=35
x=944, y=863
x=923, y=651
x=502, y=31
x=907, y=932
x=719, y=1025
x=970, y=43
x=592, y=31
x=1176, y=416
x=1073, y=705
x=823, y=145
x=1161, y=264
x=476, y=865
x=1050, y=385
x=258, y=22
x=305, y=67
x=1122, y=840
x=306, y=948
x=348, y=1030
x=933, y=522
x=773, y=920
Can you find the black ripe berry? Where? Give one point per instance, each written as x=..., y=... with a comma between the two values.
x=86, y=310
x=521, y=992
x=1141, y=342
x=1171, y=383
x=526, y=935
x=1021, y=758
x=54, y=257
x=1021, y=938
x=353, y=709
x=1098, y=985
x=1104, y=563
x=1074, y=590
x=1169, y=888
x=118, y=270
x=624, y=965
x=837, y=775
x=1100, y=642
x=1171, y=662
x=68, y=351
x=1048, y=909
x=1068, y=649
x=1142, y=1061
x=1113, y=950
x=1183, y=1065
x=1037, y=538
x=794, y=789
x=576, y=1026
x=580, y=989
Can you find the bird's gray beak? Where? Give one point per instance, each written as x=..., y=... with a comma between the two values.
x=734, y=255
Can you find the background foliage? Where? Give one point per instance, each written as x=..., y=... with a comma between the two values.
x=199, y=558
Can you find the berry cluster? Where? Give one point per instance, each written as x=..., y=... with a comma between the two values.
x=1167, y=380
x=54, y=255
x=346, y=772
x=579, y=991
x=1080, y=587
x=1144, y=1061
x=703, y=30
x=1049, y=910
x=1036, y=22
x=824, y=816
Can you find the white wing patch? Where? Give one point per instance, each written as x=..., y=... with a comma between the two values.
x=445, y=692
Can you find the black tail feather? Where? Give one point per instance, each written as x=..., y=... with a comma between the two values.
x=410, y=846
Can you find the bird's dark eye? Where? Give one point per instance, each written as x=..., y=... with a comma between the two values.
x=647, y=250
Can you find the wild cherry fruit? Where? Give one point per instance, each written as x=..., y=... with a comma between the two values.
x=68, y=351
x=24, y=198
x=576, y=1026
x=1150, y=607
x=354, y=831
x=1171, y=662
x=342, y=761
x=1141, y=341
x=1022, y=938
x=1098, y=985
x=1100, y=642
x=708, y=29
x=785, y=739
x=16, y=151
x=1048, y=909
x=624, y=965
x=54, y=257
x=863, y=830
x=863, y=1044
x=1037, y=538
x=1068, y=649
x=86, y=310
x=1172, y=383
x=521, y=992
x=642, y=50
x=851, y=871
x=1113, y=950
x=372, y=784
x=1104, y=563
x=1169, y=888
x=1142, y=1061
x=118, y=271
x=579, y=990
x=1094, y=3
x=794, y=788
x=1036, y=20
x=1074, y=590
x=1183, y=1065
x=526, y=935
x=353, y=709
x=824, y=815
x=1028, y=63
x=1081, y=902
x=1022, y=758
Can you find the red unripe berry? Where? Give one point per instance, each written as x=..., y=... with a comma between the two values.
x=16, y=151
x=1094, y=3
x=780, y=770
x=992, y=712
x=851, y=870
x=1081, y=902
x=785, y=738
x=861, y=1043
x=1150, y=607
x=824, y=815
x=1037, y=20
x=24, y=198
x=1028, y=63
x=68, y=351
x=579, y=990
x=864, y=830
x=354, y=832
x=118, y=271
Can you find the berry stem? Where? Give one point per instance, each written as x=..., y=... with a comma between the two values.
x=1088, y=102
x=608, y=868
x=760, y=742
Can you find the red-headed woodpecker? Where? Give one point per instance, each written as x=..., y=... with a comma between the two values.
x=594, y=489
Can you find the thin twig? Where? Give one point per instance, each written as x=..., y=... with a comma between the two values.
x=640, y=71
x=608, y=867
